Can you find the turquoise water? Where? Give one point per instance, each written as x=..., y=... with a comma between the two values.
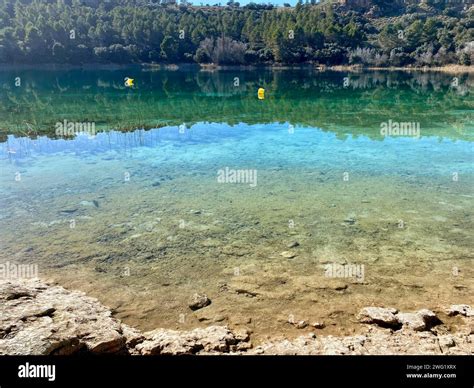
x=272, y=143
x=204, y=146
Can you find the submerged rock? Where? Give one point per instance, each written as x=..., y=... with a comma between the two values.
x=68, y=211
x=350, y=220
x=198, y=301
x=248, y=293
x=288, y=255
x=93, y=203
x=301, y=324
x=293, y=244
x=219, y=318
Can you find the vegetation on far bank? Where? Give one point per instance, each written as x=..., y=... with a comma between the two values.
x=373, y=33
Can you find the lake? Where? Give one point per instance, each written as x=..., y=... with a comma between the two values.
x=336, y=191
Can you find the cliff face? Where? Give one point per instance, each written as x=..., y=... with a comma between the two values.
x=356, y=3
x=41, y=319
x=370, y=3
x=362, y=5
x=375, y=7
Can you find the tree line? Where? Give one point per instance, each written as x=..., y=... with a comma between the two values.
x=431, y=33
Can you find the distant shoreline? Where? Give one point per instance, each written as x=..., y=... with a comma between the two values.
x=443, y=69
x=453, y=69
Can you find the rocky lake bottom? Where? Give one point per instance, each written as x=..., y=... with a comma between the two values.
x=330, y=226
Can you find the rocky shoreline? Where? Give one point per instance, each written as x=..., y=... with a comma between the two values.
x=37, y=318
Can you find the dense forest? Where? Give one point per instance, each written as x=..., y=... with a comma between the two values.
x=338, y=32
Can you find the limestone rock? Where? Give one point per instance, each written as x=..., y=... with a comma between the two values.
x=213, y=339
x=446, y=342
x=384, y=317
x=392, y=318
x=132, y=336
x=418, y=321
x=377, y=341
x=41, y=319
x=37, y=319
x=460, y=309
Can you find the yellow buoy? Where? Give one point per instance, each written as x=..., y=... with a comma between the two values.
x=128, y=82
x=261, y=93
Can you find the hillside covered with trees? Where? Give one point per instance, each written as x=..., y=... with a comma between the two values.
x=340, y=32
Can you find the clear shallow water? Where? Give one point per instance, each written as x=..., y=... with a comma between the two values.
x=152, y=224
x=262, y=145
